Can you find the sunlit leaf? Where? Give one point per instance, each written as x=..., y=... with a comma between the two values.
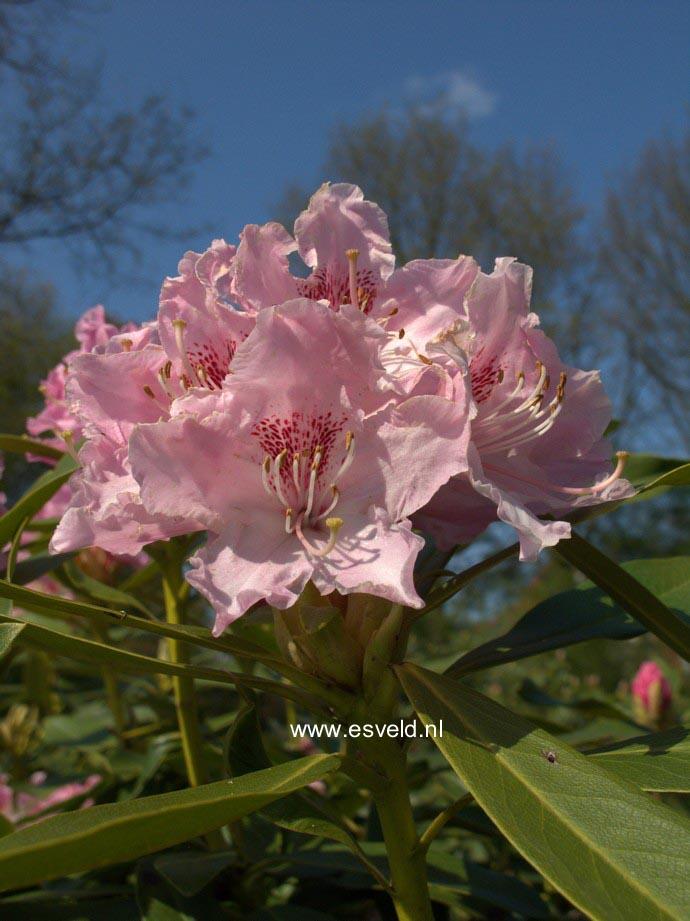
x=628, y=592
x=581, y=614
x=658, y=762
x=612, y=850
x=104, y=835
x=8, y=634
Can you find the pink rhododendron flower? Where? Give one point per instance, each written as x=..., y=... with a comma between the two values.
x=302, y=421
x=21, y=808
x=302, y=466
x=651, y=693
x=110, y=393
x=536, y=446
x=341, y=237
x=136, y=379
x=197, y=325
x=92, y=332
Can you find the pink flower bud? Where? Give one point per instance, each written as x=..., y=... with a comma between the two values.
x=651, y=692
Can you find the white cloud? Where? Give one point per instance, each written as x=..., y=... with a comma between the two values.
x=452, y=92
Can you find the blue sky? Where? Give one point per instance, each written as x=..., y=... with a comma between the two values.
x=268, y=80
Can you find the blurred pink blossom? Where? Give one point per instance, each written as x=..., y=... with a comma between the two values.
x=20, y=807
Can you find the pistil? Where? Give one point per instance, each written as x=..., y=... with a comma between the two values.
x=353, y=255
x=333, y=524
x=179, y=327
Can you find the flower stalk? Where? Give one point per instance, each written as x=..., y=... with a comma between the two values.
x=407, y=861
x=183, y=688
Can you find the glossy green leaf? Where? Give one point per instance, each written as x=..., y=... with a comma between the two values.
x=583, y=613
x=54, y=606
x=98, y=592
x=300, y=812
x=612, y=850
x=658, y=762
x=104, y=835
x=9, y=632
x=190, y=872
x=642, y=469
x=36, y=497
x=630, y=594
x=22, y=444
x=83, y=650
x=452, y=879
x=680, y=476
x=38, y=565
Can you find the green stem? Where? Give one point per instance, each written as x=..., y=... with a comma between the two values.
x=385, y=760
x=183, y=688
x=407, y=862
x=441, y=820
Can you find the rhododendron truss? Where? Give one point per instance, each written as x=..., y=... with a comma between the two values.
x=300, y=444
x=303, y=466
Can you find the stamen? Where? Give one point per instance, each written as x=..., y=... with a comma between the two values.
x=401, y=334
x=599, y=487
x=289, y=527
x=353, y=255
x=350, y=453
x=167, y=369
x=334, y=502
x=203, y=379
x=312, y=483
x=523, y=431
x=333, y=524
x=68, y=438
x=265, y=467
x=537, y=390
x=568, y=490
x=164, y=384
x=149, y=393
x=509, y=398
x=179, y=327
x=296, y=471
x=277, y=464
x=126, y=344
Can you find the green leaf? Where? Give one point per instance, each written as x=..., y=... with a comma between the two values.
x=22, y=444
x=680, y=476
x=189, y=873
x=107, y=904
x=452, y=879
x=104, y=835
x=643, y=468
x=54, y=606
x=38, y=565
x=658, y=762
x=581, y=614
x=609, y=848
x=83, y=650
x=36, y=497
x=628, y=592
x=301, y=812
x=97, y=591
x=8, y=634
